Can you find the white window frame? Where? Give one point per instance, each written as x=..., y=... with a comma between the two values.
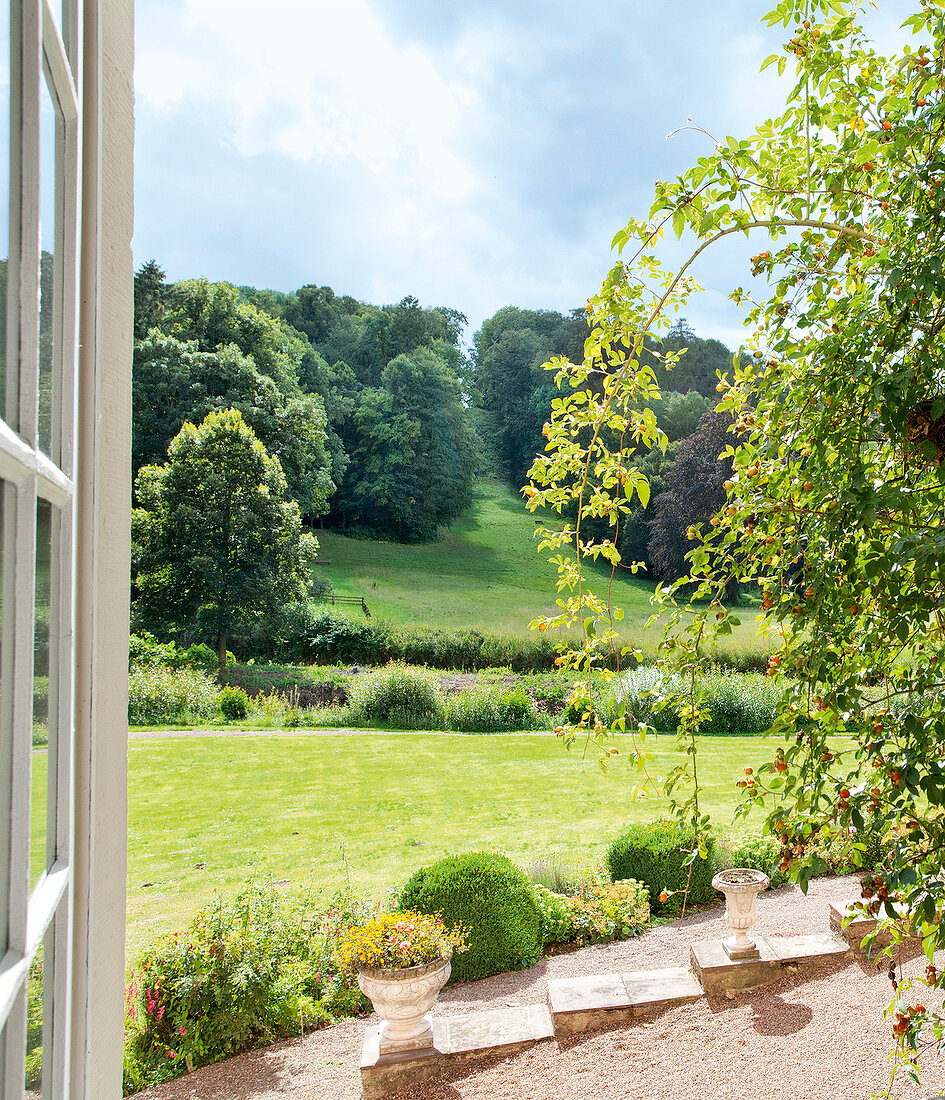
x=45, y=46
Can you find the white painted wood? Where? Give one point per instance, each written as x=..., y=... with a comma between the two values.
x=103, y=500
x=58, y=68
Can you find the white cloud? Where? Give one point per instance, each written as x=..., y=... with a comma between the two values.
x=320, y=82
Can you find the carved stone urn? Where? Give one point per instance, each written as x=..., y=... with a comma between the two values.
x=403, y=999
x=740, y=885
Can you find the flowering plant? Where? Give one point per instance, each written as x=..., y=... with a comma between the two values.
x=394, y=941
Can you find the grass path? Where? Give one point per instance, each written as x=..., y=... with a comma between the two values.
x=211, y=813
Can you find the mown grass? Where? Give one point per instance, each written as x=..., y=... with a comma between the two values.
x=484, y=573
x=207, y=814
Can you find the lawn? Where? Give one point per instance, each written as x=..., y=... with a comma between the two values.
x=486, y=572
x=210, y=813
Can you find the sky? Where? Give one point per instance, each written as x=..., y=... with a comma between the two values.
x=473, y=153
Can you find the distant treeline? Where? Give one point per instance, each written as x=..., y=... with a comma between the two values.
x=380, y=419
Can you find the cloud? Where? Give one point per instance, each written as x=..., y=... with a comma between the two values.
x=474, y=154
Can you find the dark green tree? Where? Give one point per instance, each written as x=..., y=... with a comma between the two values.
x=695, y=491
x=509, y=383
x=413, y=452
x=173, y=382
x=220, y=544
x=152, y=298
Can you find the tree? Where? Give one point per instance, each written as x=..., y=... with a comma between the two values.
x=509, y=382
x=152, y=298
x=412, y=451
x=173, y=382
x=695, y=491
x=220, y=545
x=842, y=404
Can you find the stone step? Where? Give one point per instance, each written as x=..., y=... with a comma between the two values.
x=717, y=972
x=578, y=1004
x=858, y=926
x=457, y=1041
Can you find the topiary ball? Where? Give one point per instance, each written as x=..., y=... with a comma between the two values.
x=656, y=855
x=492, y=899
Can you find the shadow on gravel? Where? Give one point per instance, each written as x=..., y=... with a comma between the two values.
x=243, y=1077
x=772, y=1015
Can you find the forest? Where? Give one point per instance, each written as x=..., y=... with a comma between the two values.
x=380, y=419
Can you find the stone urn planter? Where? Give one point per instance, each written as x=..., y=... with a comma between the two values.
x=740, y=885
x=403, y=999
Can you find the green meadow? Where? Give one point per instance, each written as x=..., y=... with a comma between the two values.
x=486, y=572
x=210, y=813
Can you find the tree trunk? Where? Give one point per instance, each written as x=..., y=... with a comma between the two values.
x=221, y=648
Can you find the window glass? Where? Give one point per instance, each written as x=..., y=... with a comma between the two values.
x=34, y=1030
x=41, y=777
x=48, y=125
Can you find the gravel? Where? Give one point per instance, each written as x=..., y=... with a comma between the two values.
x=819, y=1034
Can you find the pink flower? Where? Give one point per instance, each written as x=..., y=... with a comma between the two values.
x=405, y=946
x=172, y=1054
x=400, y=925
x=182, y=1030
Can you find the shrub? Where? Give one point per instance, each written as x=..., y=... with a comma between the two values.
x=233, y=703
x=487, y=710
x=762, y=853
x=158, y=695
x=312, y=634
x=599, y=911
x=301, y=687
x=257, y=966
x=605, y=911
x=656, y=855
x=737, y=702
x=145, y=649
x=492, y=899
x=847, y=849
x=406, y=698
x=556, y=925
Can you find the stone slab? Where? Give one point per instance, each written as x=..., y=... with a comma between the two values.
x=457, y=1040
x=654, y=989
x=858, y=926
x=717, y=972
x=607, y=1000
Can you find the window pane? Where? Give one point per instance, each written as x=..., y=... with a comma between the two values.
x=40, y=802
x=49, y=124
x=34, y=1030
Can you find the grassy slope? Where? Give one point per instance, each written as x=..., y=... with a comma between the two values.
x=372, y=807
x=486, y=572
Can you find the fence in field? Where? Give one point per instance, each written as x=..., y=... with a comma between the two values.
x=353, y=601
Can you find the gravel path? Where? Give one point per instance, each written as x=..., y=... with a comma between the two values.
x=817, y=1035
